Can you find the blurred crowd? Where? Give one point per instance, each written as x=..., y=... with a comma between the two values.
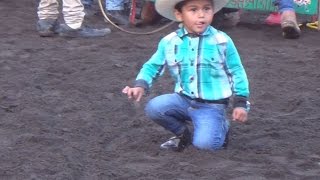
x=118, y=12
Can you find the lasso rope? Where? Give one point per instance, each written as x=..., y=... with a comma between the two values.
x=131, y=32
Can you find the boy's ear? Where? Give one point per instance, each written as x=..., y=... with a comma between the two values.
x=178, y=15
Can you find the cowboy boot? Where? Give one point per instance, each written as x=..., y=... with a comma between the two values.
x=47, y=27
x=289, y=25
x=118, y=17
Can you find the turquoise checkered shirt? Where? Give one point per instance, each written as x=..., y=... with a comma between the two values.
x=205, y=66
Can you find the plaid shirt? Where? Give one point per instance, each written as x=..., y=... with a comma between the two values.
x=205, y=66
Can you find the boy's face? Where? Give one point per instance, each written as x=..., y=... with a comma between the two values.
x=196, y=15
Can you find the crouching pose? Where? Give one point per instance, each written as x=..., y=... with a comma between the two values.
x=207, y=71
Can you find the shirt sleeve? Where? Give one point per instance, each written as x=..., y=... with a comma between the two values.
x=237, y=74
x=152, y=69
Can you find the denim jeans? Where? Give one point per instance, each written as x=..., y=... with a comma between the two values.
x=110, y=4
x=173, y=111
x=115, y=4
x=284, y=5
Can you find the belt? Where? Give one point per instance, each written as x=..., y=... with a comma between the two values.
x=220, y=101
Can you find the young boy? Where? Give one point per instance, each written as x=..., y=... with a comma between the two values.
x=207, y=71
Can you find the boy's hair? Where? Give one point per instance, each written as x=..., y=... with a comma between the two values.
x=180, y=4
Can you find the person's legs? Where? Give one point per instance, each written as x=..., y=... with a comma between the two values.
x=73, y=13
x=170, y=112
x=289, y=25
x=115, y=11
x=115, y=5
x=48, y=14
x=284, y=5
x=48, y=9
x=210, y=125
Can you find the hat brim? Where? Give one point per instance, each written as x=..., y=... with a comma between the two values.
x=166, y=7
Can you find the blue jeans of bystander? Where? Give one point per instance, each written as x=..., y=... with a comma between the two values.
x=284, y=5
x=115, y=4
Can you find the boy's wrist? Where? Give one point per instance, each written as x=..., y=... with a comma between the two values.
x=143, y=84
x=242, y=102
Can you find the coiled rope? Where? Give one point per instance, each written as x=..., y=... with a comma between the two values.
x=131, y=32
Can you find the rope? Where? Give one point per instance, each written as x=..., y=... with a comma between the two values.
x=131, y=32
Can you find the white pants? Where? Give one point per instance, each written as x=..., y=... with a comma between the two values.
x=73, y=11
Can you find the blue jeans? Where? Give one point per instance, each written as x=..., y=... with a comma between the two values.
x=115, y=4
x=284, y=5
x=110, y=4
x=173, y=111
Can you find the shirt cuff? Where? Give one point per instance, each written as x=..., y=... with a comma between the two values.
x=142, y=83
x=241, y=101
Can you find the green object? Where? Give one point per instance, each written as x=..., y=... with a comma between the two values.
x=267, y=5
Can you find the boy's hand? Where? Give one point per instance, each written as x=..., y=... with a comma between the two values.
x=136, y=92
x=239, y=114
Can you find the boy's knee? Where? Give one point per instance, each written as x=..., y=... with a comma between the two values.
x=205, y=144
x=151, y=109
x=154, y=107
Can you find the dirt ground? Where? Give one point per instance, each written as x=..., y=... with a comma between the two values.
x=63, y=116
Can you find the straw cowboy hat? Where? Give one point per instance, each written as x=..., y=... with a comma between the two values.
x=166, y=7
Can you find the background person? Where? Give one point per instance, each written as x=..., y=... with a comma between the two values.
x=115, y=10
x=287, y=19
x=73, y=15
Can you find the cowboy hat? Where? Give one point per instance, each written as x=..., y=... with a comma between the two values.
x=166, y=7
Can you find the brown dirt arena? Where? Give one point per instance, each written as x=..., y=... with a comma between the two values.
x=63, y=116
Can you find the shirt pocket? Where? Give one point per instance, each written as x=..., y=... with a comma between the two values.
x=212, y=63
x=212, y=59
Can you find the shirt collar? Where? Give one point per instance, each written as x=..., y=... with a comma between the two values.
x=181, y=32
